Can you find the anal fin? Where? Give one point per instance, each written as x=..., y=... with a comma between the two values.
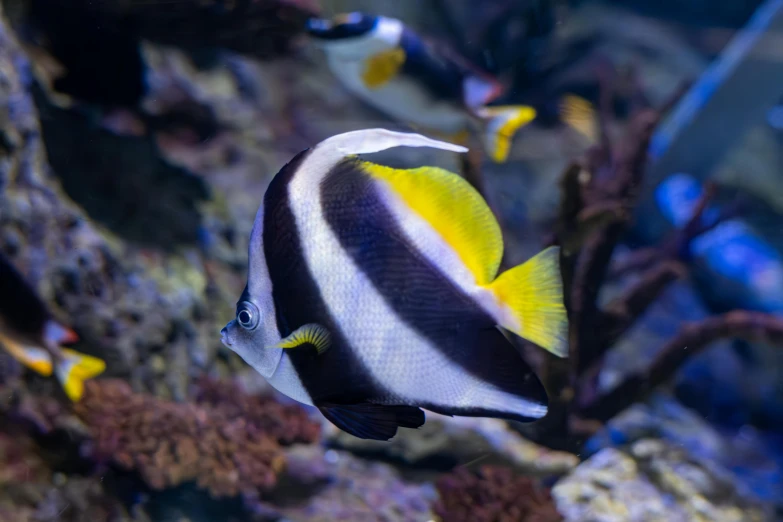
x=372, y=421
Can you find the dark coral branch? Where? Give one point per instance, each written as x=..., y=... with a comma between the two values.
x=677, y=246
x=589, y=277
x=691, y=340
x=567, y=233
x=635, y=261
x=470, y=168
x=694, y=225
x=622, y=312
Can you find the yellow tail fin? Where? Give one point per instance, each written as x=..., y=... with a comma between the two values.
x=74, y=369
x=579, y=114
x=531, y=299
x=500, y=125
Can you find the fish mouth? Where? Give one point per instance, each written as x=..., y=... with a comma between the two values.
x=343, y=26
x=224, y=337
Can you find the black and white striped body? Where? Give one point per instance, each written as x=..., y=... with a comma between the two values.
x=409, y=325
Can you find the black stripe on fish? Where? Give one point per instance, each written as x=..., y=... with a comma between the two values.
x=337, y=376
x=442, y=78
x=440, y=70
x=422, y=296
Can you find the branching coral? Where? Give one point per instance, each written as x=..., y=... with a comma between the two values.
x=598, y=198
x=493, y=494
x=225, y=450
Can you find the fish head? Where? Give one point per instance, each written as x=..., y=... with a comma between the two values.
x=355, y=36
x=341, y=27
x=249, y=337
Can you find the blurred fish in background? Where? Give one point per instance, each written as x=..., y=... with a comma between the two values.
x=417, y=82
x=33, y=337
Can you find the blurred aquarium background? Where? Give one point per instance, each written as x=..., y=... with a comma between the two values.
x=137, y=139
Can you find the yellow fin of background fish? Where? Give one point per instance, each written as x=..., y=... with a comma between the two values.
x=501, y=123
x=37, y=359
x=454, y=209
x=380, y=68
x=533, y=294
x=74, y=369
x=314, y=334
x=579, y=114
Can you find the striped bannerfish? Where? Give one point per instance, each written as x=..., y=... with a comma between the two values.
x=372, y=293
x=416, y=82
x=30, y=334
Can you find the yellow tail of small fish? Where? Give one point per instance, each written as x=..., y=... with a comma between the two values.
x=500, y=125
x=579, y=114
x=531, y=299
x=74, y=369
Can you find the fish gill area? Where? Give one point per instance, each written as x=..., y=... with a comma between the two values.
x=127, y=200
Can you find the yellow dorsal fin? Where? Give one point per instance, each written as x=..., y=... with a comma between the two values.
x=382, y=67
x=454, y=209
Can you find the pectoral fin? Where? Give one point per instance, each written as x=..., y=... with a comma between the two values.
x=308, y=335
x=372, y=421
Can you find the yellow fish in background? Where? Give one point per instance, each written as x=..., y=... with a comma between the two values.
x=580, y=115
x=373, y=292
x=392, y=68
x=30, y=334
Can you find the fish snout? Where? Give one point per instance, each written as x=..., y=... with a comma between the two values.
x=224, y=337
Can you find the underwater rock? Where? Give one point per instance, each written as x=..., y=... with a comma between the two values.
x=752, y=459
x=126, y=305
x=493, y=494
x=353, y=490
x=445, y=442
x=654, y=482
x=97, y=43
x=122, y=182
x=225, y=451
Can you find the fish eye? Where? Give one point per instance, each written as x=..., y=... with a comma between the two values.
x=247, y=315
